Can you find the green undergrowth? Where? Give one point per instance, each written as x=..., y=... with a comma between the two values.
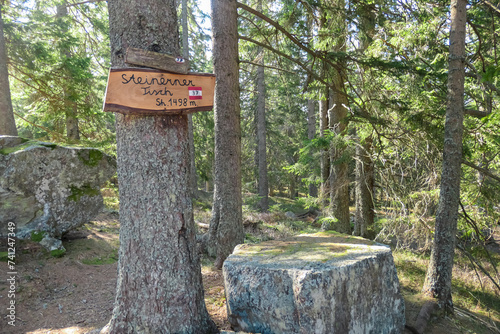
x=471, y=293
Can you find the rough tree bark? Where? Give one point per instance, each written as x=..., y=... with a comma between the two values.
x=226, y=226
x=365, y=168
x=439, y=273
x=159, y=287
x=7, y=121
x=339, y=179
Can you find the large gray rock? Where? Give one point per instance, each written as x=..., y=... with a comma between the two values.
x=322, y=283
x=47, y=190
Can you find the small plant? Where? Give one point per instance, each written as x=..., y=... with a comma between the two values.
x=57, y=253
x=37, y=236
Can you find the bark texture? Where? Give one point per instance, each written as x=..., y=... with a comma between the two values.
x=7, y=121
x=439, y=272
x=159, y=288
x=339, y=179
x=365, y=168
x=226, y=226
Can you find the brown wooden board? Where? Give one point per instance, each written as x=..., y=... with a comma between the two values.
x=156, y=60
x=140, y=91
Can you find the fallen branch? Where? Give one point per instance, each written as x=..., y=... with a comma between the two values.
x=474, y=261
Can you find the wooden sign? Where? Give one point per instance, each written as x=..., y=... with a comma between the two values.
x=156, y=60
x=141, y=91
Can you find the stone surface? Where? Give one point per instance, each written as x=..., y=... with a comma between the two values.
x=320, y=283
x=47, y=190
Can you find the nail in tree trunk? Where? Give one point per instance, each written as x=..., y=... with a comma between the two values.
x=7, y=121
x=439, y=273
x=226, y=226
x=159, y=287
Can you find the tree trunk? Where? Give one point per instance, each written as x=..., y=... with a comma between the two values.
x=339, y=179
x=325, y=155
x=260, y=129
x=226, y=226
x=365, y=214
x=439, y=273
x=185, y=53
x=261, y=138
x=7, y=121
x=365, y=168
x=311, y=134
x=70, y=106
x=159, y=287
x=72, y=129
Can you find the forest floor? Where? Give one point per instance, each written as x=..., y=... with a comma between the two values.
x=75, y=293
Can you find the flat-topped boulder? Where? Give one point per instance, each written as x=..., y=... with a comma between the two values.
x=47, y=190
x=321, y=283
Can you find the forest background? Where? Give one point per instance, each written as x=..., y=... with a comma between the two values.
x=354, y=101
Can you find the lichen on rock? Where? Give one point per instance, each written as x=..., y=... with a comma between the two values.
x=317, y=283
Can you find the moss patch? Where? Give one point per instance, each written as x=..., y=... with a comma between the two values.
x=25, y=144
x=57, y=253
x=86, y=190
x=90, y=157
x=37, y=236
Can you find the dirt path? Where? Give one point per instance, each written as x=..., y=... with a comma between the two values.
x=75, y=293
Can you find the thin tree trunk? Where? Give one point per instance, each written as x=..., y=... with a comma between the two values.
x=159, y=287
x=70, y=106
x=325, y=155
x=7, y=121
x=226, y=226
x=261, y=139
x=439, y=272
x=311, y=134
x=365, y=214
x=262, y=184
